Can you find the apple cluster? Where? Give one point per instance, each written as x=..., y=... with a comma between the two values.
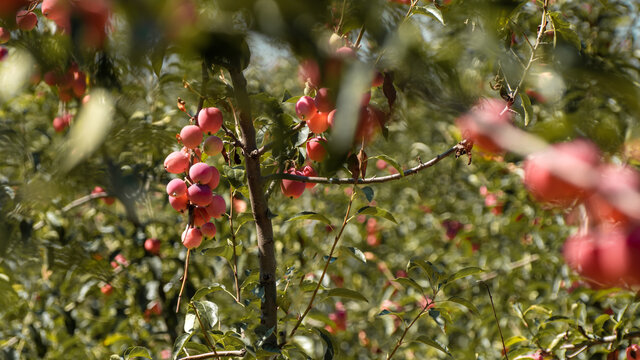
x=570, y=174
x=90, y=16
x=319, y=112
x=194, y=191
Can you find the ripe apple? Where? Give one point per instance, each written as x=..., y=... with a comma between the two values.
x=581, y=254
x=309, y=172
x=292, y=188
x=106, y=289
x=152, y=245
x=3, y=52
x=210, y=120
x=106, y=200
x=200, y=195
x=633, y=352
x=319, y=123
x=191, y=136
x=615, y=183
x=486, y=113
x=316, y=149
x=306, y=108
x=546, y=172
x=192, y=238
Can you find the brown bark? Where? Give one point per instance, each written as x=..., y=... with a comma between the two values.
x=259, y=205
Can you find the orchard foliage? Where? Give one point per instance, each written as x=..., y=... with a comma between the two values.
x=348, y=179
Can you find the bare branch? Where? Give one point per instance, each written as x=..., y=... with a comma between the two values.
x=231, y=353
x=84, y=199
x=372, y=180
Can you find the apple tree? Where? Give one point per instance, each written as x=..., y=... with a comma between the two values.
x=349, y=179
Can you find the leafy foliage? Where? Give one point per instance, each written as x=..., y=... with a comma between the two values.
x=401, y=254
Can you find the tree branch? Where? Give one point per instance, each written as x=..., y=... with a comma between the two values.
x=406, y=329
x=372, y=180
x=326, y=266
x=231, y=353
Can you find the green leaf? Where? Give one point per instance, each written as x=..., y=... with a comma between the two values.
x=539, y=309
x=301, y=136
x=430, y=10
x=514, y=340
x=189, y=322
x=526, y=105
x=137, y=351
x=286, y=96
x=463, y=273
x=429, y=269
x=391, y=161
x=208, y=312
x=310, y=215
x=346, y=293
x=376, y=211
x=435, y=315
x=563, y=28
x=290, y=99
x=464, y=302
x=368, y=193
x=235, y=175
x=356, y=253
x=330, y=352
x=200, y=293
x=389, y=312
x=409, y=283
x=179, y=345
x=433, y=343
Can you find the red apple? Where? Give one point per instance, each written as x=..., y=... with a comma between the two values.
x=561, y=174
x=292, y=188
x=106, y=289
x=615, y=184
x=316, y=149
x=486, y=113
x=152, y=245
x=633, y=352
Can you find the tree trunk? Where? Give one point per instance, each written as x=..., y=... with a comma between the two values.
x=259, y=206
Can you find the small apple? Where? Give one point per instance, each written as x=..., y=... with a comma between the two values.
x=633, y=352
x=292, y=188
x=152, y=245
x=546, y=173
x=486, y=113
x=106, y=289
x=316, y=149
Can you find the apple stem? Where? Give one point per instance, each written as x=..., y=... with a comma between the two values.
x=184, y=279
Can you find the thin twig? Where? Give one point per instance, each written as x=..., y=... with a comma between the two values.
x=84, y=199
x=184, y=279
x=234, y=267
x=532, y=58
x=360, y=34
x=504, y=347
x=603, y=340
x=326, y=266
x=406, y=329
x=372, y=180
x=231, y=353
x=204, y=331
